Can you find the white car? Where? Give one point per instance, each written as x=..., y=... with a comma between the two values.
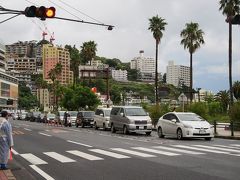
x=184, y=124
x=101, y=118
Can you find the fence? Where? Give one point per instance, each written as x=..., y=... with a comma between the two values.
x=227, y=129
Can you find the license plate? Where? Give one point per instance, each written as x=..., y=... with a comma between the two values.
x=141, y=127
x=202, y=131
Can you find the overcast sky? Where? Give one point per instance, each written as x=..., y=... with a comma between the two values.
x=131, y=34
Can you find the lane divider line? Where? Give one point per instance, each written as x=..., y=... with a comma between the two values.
x=45, y=134
x=27, y=129
x=79, y=143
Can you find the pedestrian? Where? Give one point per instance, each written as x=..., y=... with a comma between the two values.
x=65, y=118
x=6, y=139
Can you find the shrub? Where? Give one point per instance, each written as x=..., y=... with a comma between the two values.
x=156, y=111
x=199, y=108
x=234, y=112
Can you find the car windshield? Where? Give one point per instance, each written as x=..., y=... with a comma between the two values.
x=88, y=114
x=61, y=113
x=72, y=113
x=107, y=113
x=190, y=117
x=51, y=115
x=135, y=112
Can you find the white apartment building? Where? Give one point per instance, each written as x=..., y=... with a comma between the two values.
x=119, y=75
x=178, y=75
x=146, y=66
x=202, y=95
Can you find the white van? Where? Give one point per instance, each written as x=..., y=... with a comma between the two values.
x=130, y=119
x=101, y=118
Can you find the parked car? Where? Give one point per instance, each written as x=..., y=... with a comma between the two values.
x=101, y=118
x=34, y=116
x=22, y=115
x=184, y=124
x=130, y=119
x=73, y=117
x=85, y=118
x=51, y=118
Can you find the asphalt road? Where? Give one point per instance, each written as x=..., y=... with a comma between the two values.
x=48, y=152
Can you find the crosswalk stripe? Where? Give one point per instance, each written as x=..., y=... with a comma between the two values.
x=41, y=172
x=232, y=147
x=14, y=152
x=33, y=159
x=200, y=149
x=111, y=154
x=59, y=157
x=218, y=148
x=85, y=155
x=238, y=145
x=179, y=150
x=155, y=151
x=136, y=153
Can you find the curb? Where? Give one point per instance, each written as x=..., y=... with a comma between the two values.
x=227, y=137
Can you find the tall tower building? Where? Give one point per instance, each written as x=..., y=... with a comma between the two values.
x=145, y=65
x=53, y=55
x=178, y=75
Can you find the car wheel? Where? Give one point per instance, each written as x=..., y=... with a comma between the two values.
x=104, y=127
x=82, y=125
x=179, y=134
x=125, y=130
x=148, y=133
x=113, y=130
x=95, y=126
x=208, y=138
x=160, y=134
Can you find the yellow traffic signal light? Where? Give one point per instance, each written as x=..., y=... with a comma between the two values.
x=40, y=12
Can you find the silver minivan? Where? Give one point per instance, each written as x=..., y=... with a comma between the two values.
x=101, y=118
x=130, y=119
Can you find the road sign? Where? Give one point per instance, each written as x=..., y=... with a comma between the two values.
x=182, y=97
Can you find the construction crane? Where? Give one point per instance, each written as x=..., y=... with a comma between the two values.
x=52, y=38
x=44, y=33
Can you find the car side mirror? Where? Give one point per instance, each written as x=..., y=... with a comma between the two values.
x=174, y=120
x=122, y=114
x=147, y=114
x=101, y=114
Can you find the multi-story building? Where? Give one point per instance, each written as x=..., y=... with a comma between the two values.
x=202, y=94
x=44, y=98
x=8, y=85
x=178, y=75
x=119, y=75
x=53, y=55
x=24, y=65
x=145, y=65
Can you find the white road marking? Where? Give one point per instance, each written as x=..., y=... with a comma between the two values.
x=79, y=143
x=111, y=154
x=85, y=155
x=200, y=149
x=178, y=150
x=238, y=145
x=41, y=172
x=232, y=147
x=27, y=129
x=45, y=134
x=59, y=157
x=155, y=151
x=14, y=152
x=33, y=159
x=133, y=152
x=218, y=148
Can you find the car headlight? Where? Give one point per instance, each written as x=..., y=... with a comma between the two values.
x=149, y=121
x=187, y=126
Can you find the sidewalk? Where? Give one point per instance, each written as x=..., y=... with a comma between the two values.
x=226, y=134
x=6, y=175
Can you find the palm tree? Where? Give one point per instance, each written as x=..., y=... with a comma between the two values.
x=157, y=26
x=54, y=75
x=88, y=51
x=192, y=40
x=223, y=98
x=236, y=89
x=230, y=8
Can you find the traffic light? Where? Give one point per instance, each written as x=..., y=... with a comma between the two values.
x=40, y=12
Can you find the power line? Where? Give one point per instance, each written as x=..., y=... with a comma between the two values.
x=80, y=11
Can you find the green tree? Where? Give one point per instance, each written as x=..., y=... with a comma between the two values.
x=157, y=26
x=223, y=98
x=78, y=97
x=230, y=8
x=236, y=90
x=88, y=51
x=74, y=62
x=192, y=40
